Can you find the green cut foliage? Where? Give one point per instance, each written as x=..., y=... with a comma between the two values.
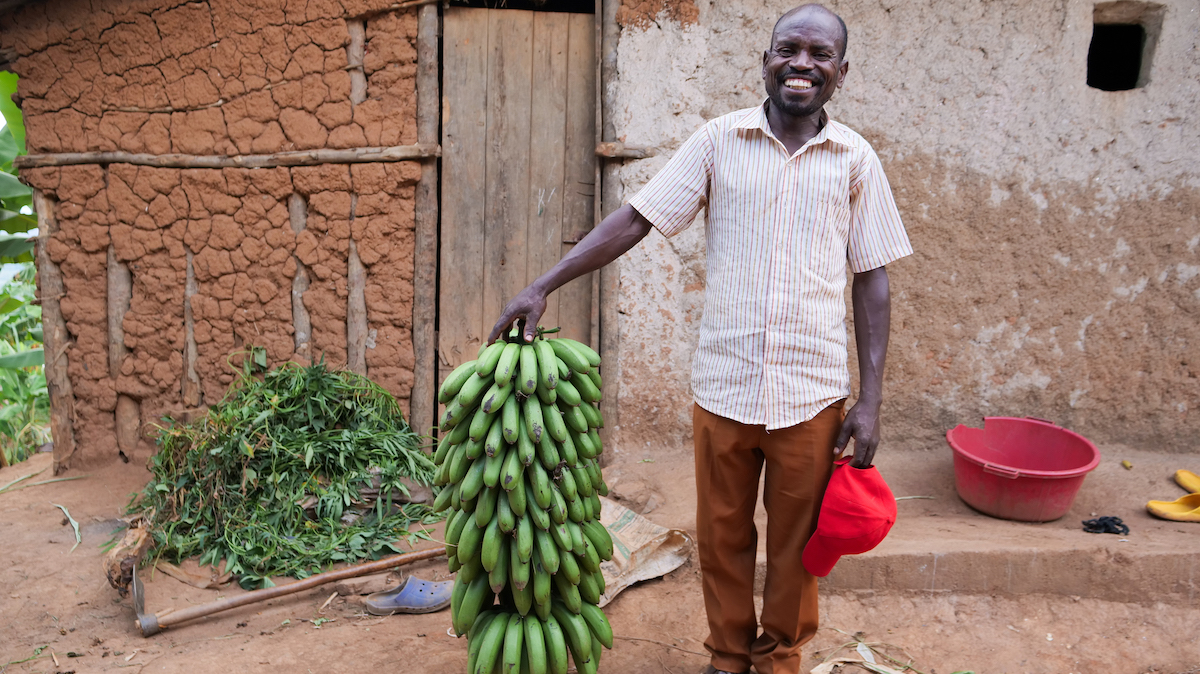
x=12, y=114
x=287, y=475
x=30, y=358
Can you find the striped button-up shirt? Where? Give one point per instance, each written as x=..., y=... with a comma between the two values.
x=781, y=228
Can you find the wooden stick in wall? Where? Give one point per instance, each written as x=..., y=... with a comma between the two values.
x=422, y=407
x=55, y=339
x=356, y=155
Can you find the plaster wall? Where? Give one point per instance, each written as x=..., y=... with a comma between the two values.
x=212, y=255
x=1056, y=226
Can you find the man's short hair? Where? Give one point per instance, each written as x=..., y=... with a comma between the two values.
x=796, y=10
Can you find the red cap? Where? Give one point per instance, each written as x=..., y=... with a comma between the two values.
x=857, y=513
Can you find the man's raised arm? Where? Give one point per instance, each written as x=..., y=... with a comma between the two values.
x=617, y=233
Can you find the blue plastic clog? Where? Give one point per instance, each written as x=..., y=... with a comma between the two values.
x=412, y=596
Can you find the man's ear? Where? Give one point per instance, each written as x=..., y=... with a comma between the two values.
x=845, y=68
x=766, y=57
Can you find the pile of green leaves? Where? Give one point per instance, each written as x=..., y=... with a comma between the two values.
x=234, y=484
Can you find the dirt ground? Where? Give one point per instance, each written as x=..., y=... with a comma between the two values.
x=57, y=598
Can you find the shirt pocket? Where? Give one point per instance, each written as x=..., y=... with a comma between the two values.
x=828, y=240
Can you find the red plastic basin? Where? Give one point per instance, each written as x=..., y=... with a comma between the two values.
x=1020, y=469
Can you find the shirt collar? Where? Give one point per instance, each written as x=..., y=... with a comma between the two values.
x=756, y=118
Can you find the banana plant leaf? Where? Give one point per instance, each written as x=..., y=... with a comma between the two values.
x=11, y=187
x=22, y=359
x=13, y=222
x=9, y=109
x=16, y=248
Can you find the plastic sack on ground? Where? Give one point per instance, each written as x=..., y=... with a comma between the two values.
x=641, y=549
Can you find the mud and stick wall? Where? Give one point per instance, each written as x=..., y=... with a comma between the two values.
x=1056, y=226
x=168, y=271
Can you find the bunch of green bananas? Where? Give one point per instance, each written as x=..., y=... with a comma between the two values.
x=518, y=464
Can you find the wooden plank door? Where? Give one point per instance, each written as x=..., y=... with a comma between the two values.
x=518, y=167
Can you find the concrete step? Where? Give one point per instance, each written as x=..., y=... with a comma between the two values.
x=942, y=545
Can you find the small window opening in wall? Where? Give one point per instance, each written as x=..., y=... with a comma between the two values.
x=1124, y=36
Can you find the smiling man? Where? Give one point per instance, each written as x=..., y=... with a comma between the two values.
x=792, y=197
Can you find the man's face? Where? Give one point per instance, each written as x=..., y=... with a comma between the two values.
x=804, y=65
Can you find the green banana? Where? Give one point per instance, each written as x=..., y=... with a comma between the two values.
x=522, y=599
x=485, y=506
x=569, y=450
x=594, y=436
x=579, y=637
x=573, y=416
x=443, y=448
x=558, y=509
x=547, y=550
x=456, y=596
x=592, y=416
x=539, y=483
x=548, y=396
x=568, y=568
x=588, y=513
x=598, y=578
x=474, y=640
x=452, y=563
x=594, y=375
x=454, y=381
x=575, y=511
x=472, y=389
x=589, y=559
x=541, y=518
x=583, y=443
x=541, y=582
x=518, y=570
x=567, y=393
x=467, y=505
x=454, y=527
x=561, y=536
x=516, y=499
x=459, y=433
x=564, y=372
x=596, y=506
x=583, y=482
x=535, y=645
x=556, y=646
x=493, y=465
x=588, y=390
x=489, y=553
x=498, y=575
x=494, y=440
x=488, y=359
x=584, y=350
x=481, y=423
x=460, y=463
x=527, y=375
x=547, y=453
x=597, y=622
x=525, y=538
x=489, y=649
x=505, y=516
x=577, y=538
x=547, y=363
x=473, y=448
x=593, y=666
x=510, y=419
x=588, y=590
x=506, y=366
x=472, y=601
x=577, y=363
x=469, y=542
x=566, y=484
x=525, y=444
x=532, y=408
x=469, y=571
x=443, y=500
x=598, y=534
x=554, y=421
x=472, y=482
x=494, y=399
x=510, y=477
x=454, y=414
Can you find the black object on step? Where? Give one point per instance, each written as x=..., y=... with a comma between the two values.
x=1106, y=525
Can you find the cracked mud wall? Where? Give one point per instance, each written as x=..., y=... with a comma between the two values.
x=1056, y=227
x=217, y=78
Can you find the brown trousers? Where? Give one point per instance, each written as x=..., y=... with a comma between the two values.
x=729, y=461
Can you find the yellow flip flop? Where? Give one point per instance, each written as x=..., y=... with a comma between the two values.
x=1188, y=480
x=1182, y=509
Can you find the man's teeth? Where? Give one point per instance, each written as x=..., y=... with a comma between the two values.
x=797, y=83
